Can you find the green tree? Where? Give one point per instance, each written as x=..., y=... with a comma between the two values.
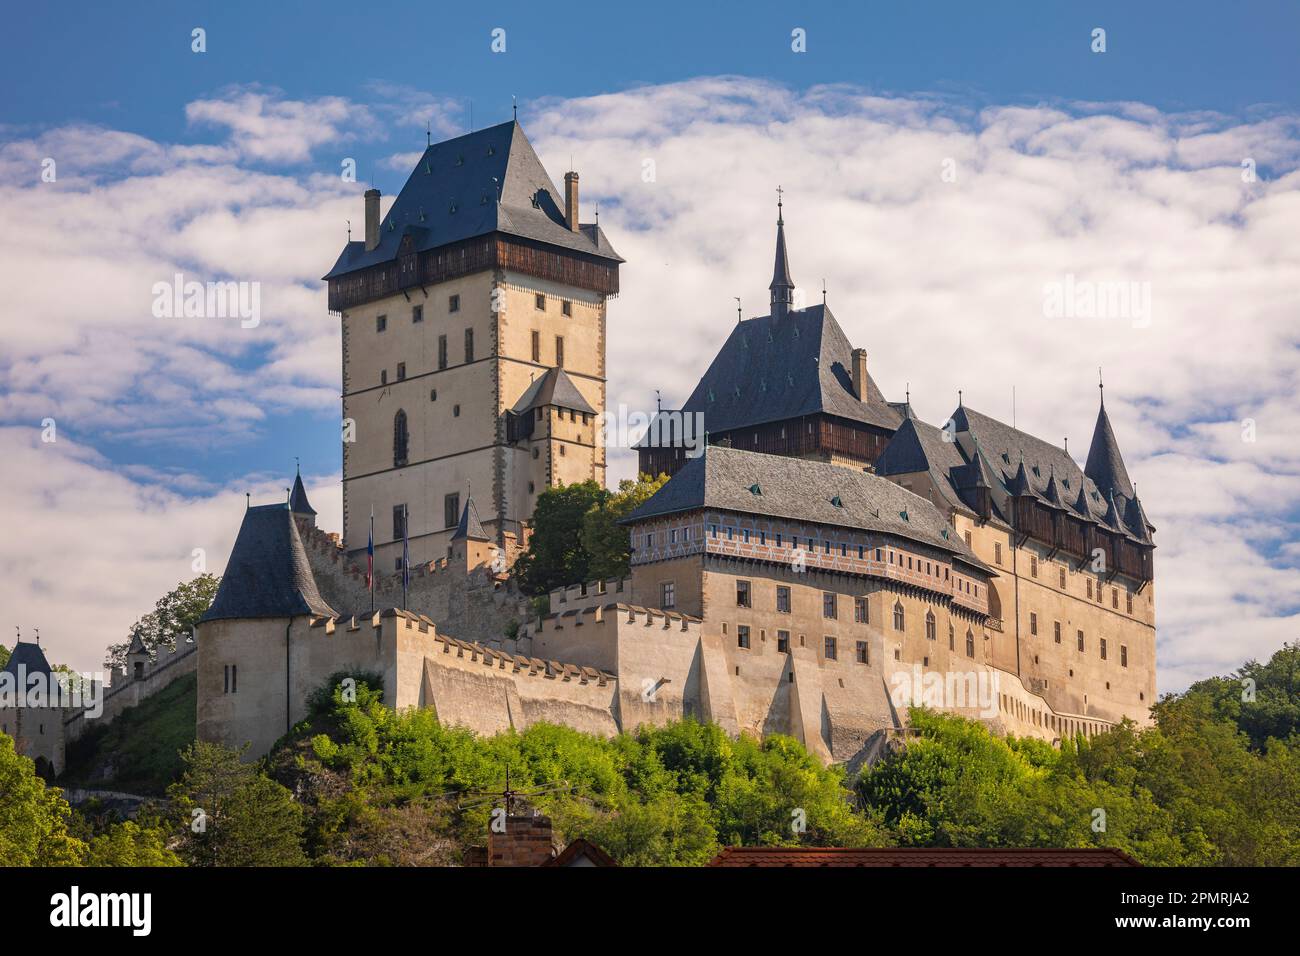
x=34, y=818
x=603, y=538
x=233, y=815
x=555, y=555
x=1263, y=700
x=173, y=618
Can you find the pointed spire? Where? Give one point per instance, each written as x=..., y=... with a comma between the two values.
x=470, y=527
x=137, y=643
x=298, y=502
x=1105, y=465
x=1052, y=493
x=782, y=286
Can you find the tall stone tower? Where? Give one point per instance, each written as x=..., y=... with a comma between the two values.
x=473, y=319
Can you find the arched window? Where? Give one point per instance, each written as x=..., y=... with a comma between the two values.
x=401, y=439
x=952, y=638
x=970, y=643
x=929, y=626
x=898, y=615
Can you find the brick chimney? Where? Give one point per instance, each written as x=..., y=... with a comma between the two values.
x=860, y=373
x=526, y=842
x=571, y=199
x=372, y=218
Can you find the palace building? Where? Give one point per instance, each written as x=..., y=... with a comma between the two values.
x=827, y=561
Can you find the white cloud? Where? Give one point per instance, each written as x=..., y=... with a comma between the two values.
x=941, y=282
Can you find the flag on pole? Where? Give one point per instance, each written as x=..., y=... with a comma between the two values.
x=406, y=556
x=370, y=561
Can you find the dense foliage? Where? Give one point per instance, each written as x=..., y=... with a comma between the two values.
x=556, y=556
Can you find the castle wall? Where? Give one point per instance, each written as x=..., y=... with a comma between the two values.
x=38, y=733
x=127, y=691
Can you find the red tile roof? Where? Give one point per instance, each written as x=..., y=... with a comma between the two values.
x=907, y=856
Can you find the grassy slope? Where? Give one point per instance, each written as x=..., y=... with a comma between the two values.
x=137, y=752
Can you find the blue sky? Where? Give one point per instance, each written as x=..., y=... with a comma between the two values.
x=1122, y=165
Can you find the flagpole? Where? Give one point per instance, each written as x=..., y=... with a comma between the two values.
x=406, y=553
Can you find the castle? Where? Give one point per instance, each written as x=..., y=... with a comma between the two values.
x=823, y=561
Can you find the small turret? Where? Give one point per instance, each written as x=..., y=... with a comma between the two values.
x=137, y=657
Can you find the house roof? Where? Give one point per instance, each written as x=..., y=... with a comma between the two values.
x=451, y=195
x=26, y=654
x=581, y=852
x=924, y=857
x=920, y=447
x=555, y=387
x=774, y=368
x=469, y=527
x=298, y=502
x=267, y=574
x=803, y=490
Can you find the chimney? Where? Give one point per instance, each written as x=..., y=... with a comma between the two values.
x=372, y=218
x=860, y=373
x=571, y=200
x=525, y=842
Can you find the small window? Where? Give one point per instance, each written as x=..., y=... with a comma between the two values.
x=469, y=345
x=1056, y=631
x=828, y=604
x=783, y=642
x=1061, y=574
x=1033, y=623
x=742, y=594
x=399, y=522
x=1080, y=641
x=1114, y=598
x=831, y=649
x=537, y=346
x=1128, y=601
x=930, y=626
x=442, y=351
x=401, y=439
x=1123, y=655
x=783, y=599
x=453, y=303
x=742, y=635
x=668, y=594
x=401, y=371
x=417, y=314
x=952, y=638
x=864, y=656
x=970, y=643
x=1090, y=588
x=433, y=394
x=997, y=552
x=383, y=376
x=1033, y=566
x=967, y=539
x=899, y=620
x=859, y=610
x=1101, y=646
x=451, y=510
x=539, y=302
x=381, y=323
x=230, y=673
x=455, y=411
x=566, y=307
x=559, y=351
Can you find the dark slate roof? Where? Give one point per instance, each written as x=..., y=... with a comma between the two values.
x=555, y=387
x=1025, y=464
x=781, y=271
x=775, y=368
x=920, y=447
x=267, y=574
x=1105, y=466
x=802, y=490
x=30, y=656
x=470, y=527
x=465, y=173
x=137, y=644
x=298, y=502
